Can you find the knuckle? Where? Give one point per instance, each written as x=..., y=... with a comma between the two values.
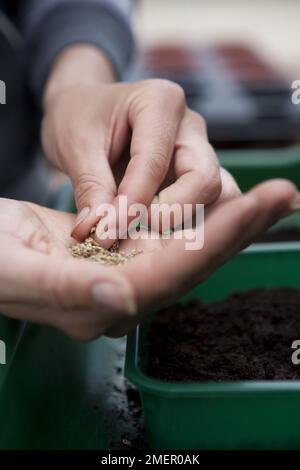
x=173, y=90
x=157, y=166
x=210, y=152
x=71, y=140
x=167, y=90
x=230, y=189
x=198, y=121
x=87, y=184
x=213, y=188
x=76, y=142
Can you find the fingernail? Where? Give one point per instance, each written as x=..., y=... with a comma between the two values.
x=82, y=215
x=114, y=296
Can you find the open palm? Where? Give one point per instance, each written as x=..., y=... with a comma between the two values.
x=41, y=282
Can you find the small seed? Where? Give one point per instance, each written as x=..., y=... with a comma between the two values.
x=92, y=251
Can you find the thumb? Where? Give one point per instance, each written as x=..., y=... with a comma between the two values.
x=83, y=299
x=93, y=184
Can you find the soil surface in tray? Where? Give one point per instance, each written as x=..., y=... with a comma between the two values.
x=248, y=336
x=284, y=235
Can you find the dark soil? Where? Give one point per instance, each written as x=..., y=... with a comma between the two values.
x=248, y=336
x=286, y=235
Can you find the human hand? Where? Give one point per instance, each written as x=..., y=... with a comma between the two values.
x=40, y=282
x=134, y=139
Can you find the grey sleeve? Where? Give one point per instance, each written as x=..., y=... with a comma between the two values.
x=51, y=25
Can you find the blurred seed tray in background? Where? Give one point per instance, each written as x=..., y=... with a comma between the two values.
x=244, y=99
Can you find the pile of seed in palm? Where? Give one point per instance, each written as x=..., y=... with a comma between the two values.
x=92, y=251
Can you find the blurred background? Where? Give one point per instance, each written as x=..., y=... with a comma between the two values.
x=272, y=26
x=236, y=61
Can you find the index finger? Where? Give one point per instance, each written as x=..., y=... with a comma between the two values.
x=155, y=113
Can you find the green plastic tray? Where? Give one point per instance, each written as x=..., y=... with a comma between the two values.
x=239, y=415
x=250, y=167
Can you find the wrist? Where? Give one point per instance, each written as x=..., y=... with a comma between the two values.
x=76, y=65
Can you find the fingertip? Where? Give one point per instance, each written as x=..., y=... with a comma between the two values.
x=281, y=186
x=82, y=229
x=281, y=193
